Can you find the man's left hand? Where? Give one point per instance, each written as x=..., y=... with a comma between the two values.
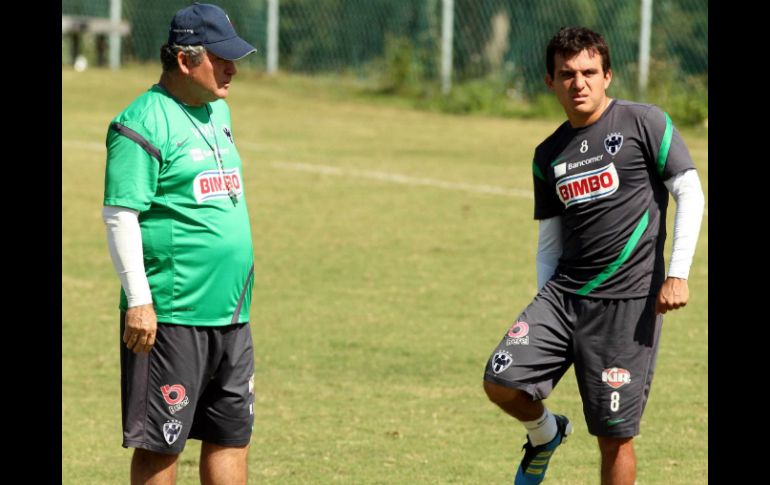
x=673, y=294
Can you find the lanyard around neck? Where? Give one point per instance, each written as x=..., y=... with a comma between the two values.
x=217, y=156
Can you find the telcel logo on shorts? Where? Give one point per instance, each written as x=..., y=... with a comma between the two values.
x=176, y=396
x=615, y=377
x=587, y=186
x=518, y=334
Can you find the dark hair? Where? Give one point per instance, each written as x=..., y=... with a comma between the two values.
x=570, y=41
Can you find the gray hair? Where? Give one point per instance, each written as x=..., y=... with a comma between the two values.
x=168, y=54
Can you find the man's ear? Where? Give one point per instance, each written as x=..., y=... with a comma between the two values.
x=549, y=81
x=182, y=61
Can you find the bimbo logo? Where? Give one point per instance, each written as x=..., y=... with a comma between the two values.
x=615, y=377
x=587, y=186
x=211, y=184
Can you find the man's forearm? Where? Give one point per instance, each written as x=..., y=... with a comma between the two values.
x=124, y=240
x=687, y=192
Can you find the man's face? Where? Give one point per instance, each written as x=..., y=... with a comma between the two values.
x=212, y=77
x=579, y=84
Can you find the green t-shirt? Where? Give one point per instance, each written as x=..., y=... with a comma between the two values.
x=196, y=240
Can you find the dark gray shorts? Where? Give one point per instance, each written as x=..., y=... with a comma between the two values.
x=196, y=382
x=613, y=344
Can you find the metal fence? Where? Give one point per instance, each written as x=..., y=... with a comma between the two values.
x=502, y=40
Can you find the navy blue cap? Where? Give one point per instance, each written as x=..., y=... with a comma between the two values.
x=209, y=26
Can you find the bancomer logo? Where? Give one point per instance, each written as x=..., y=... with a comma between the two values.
x=588, y=185
x=210, y=185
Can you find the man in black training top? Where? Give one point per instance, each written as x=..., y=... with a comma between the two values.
x=601, y=181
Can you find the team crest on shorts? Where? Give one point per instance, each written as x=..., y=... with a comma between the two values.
x=171, y=430
x=613, y=142
x=501, y=361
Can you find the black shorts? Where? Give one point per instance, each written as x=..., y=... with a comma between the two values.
x=196, y=382
x=613, y=344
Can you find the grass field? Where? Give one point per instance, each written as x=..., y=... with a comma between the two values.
x=393, y=248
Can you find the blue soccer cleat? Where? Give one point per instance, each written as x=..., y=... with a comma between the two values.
x=535, y=462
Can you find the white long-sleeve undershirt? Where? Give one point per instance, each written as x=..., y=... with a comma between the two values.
x=124, y=240
x=686, y=190
x=549, y=249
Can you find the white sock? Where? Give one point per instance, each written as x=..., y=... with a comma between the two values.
x=541, y=430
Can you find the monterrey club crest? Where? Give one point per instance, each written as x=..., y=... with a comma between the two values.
x=613, y=142
x=171, y=431
x=228, y=134
x=501, y=361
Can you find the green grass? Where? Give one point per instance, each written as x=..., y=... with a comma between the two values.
x=375, y=304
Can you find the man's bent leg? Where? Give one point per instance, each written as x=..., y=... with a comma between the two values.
x=223, y=465
x=151, y=468
x=518, y=404
x=545, y=430
x=530, y=359
x=618, y=461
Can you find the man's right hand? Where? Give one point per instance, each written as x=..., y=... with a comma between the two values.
x=141, y=326
x=672, y=295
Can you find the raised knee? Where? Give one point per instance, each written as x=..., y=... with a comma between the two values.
x=500, y=394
